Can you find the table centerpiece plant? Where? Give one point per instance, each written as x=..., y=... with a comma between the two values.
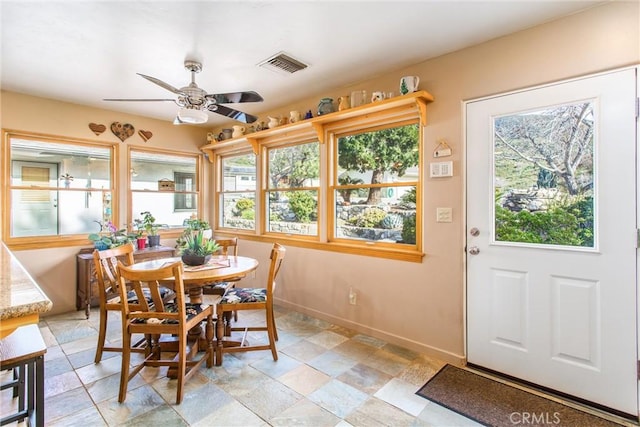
x=193, y=246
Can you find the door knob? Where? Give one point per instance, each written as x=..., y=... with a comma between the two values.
x=473, y=250
x=474, y=231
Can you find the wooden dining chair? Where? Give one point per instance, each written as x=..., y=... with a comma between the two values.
x=228, y=246
x=157, y=319
x=106, y=266
x=251, y=299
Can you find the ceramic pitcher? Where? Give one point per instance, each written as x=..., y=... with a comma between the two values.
x=343, y=103
x=294, y=116
x=238, y=131
x=409, y=84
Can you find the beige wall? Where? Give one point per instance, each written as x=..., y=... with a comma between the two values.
x=418, y=305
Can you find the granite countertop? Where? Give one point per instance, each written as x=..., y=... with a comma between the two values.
x=20, y=295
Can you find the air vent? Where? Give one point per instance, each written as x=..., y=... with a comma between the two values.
x=283, y=63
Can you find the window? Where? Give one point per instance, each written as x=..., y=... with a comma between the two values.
x=184, y=181
x=376, y=176
x=165, y=184
x=57, y=187
x=293, y=188
x=349, y=181
x=236, y=193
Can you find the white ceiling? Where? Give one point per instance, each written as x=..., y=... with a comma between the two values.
x=84, y=51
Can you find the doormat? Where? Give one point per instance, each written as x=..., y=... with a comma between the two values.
x=496, y=404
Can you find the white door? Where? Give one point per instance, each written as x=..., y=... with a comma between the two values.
x=34, y=212
x=551, y=237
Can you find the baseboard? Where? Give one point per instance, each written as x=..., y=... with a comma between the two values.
x=446, y=356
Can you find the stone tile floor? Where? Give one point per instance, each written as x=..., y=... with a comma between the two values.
x=325, y=375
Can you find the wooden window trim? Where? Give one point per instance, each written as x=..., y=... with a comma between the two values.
x=406, y=109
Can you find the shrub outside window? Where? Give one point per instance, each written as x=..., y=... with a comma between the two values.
x=376, y=177
x=165, y=184
x=293, y=175
x=237, y=192
x=57, y=187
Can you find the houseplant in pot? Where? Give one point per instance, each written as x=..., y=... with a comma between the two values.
x=109, y=236
x=193, y=246
x=148, y=223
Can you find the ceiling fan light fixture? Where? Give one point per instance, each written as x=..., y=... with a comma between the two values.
x=192, y=116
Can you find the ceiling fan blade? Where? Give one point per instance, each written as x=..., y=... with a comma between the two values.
x=235, y=97
x=160, y=83
x=135, y=100
x=234, y=114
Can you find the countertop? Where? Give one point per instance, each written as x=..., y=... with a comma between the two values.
x=21, y=299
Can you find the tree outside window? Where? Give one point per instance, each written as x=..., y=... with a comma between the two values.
x=376, y=180
x=292, y=194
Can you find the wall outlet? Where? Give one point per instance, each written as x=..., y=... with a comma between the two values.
x=352, y=296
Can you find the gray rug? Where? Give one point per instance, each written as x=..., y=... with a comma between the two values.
x=496, y=404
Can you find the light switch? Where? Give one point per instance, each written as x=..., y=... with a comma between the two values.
x=443, y=215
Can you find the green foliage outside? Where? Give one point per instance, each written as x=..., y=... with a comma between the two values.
x=386, y=150
x=409, y=230
x=369, y=218
x=570, y=225
x=303, y=205
x=245, y=209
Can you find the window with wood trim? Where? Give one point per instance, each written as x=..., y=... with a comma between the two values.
x=376, y=175
x=59, y=189
x=350, y=181
x=236, y=192
x=167, y=184
x=292, y=189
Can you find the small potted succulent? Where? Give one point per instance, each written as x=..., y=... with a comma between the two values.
x=193, y=246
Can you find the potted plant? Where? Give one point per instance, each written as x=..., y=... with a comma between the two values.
x=193, y=246
x=148, y=223
x=109, y=236
x=138, y=235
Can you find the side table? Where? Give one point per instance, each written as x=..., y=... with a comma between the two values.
x=87, y=282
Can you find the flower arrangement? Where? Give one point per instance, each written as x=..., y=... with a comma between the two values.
x=109, y=236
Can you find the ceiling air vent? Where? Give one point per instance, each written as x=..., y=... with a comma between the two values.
x=283, y=63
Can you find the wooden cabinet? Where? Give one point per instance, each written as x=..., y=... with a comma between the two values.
x=87, y=283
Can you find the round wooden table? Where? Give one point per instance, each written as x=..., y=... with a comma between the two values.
x=195, y=278
x=219, y=269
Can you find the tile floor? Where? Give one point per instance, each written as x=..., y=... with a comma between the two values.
x=325, y=375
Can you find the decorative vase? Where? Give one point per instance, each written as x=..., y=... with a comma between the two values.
x=154, y=240
x=325, y=106
x=195, y=259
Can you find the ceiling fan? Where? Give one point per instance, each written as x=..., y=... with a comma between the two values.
x=195, y=102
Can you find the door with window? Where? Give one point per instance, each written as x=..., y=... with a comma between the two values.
x=35, y=212
x=551, y=237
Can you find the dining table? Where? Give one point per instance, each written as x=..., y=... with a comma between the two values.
x=219, y=268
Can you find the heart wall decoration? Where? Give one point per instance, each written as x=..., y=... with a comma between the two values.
x=145, y=135
x=96, y=128
x=122, y=130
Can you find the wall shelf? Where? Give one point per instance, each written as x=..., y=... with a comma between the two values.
x=416, y=100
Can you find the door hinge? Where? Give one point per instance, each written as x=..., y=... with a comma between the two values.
x=637, y=238
x=638, y=370
x=637, y=107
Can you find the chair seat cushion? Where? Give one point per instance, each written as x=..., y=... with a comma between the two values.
x=240, y=295
x=192, y=310
x=133, y=299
